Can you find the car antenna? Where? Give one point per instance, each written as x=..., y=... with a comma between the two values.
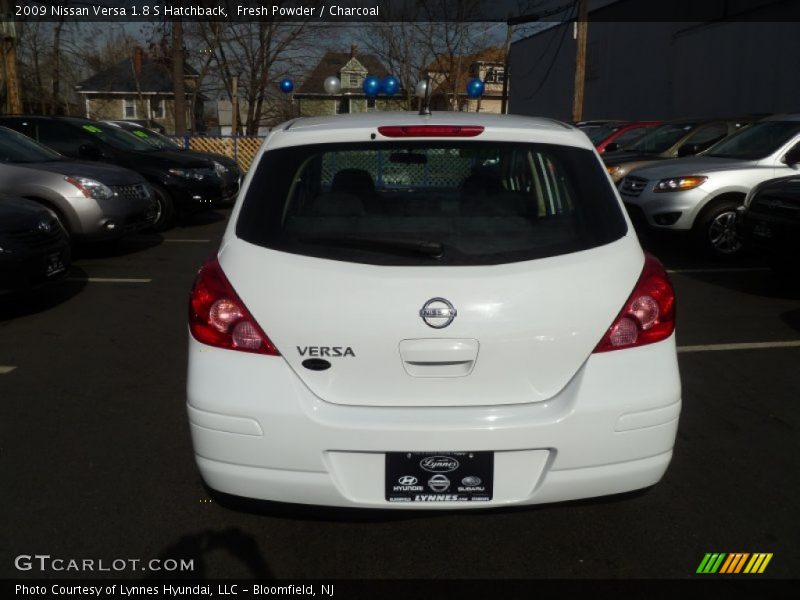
x=425, y=96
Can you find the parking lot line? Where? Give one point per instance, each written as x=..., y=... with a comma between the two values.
x=186, y=241
x=110, y=279
x=6, y=370
x=743, y=346
x=719, y=270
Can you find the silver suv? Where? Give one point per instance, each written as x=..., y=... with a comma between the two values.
x=700, y=195
x=92, y=201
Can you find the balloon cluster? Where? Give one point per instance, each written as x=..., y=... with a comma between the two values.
x=371, y=87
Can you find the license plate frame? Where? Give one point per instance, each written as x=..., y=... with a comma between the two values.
x=439, y=477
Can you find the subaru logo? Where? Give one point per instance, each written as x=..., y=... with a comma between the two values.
x=439, y=483
x=44, y=227
x=439, y=464
x=438, y=313
x=471, y=481
x=407, y=480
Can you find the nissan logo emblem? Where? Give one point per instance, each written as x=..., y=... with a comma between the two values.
x=438, y=313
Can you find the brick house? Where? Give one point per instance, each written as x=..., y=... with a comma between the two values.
x=140, y=88
x=447, y=73
x=351, y=69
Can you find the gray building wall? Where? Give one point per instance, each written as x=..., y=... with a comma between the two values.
x=660, y=70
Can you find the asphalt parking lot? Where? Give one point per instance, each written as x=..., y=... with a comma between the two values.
x=96, y=461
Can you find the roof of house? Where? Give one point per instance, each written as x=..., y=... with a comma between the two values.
x=332, y=63
x=155, y=77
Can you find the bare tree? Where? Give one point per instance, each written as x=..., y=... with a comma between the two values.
x=258, y=54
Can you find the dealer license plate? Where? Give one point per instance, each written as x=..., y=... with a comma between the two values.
x=439, y=476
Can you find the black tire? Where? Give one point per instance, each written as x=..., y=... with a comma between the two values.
x=165, y=214
x=715, y=230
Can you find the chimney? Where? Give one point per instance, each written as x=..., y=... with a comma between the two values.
x=138, y=57
x=353, y=50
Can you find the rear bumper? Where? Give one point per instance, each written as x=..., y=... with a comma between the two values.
x=610, y=430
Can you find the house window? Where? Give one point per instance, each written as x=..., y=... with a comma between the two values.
x=156, y=108
x=344, y=105
x=370, y=104
x=489, y=76
x=499, y=75
x=129, y=108
x=355, y=80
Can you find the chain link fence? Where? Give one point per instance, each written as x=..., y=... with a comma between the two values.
x=429, y=168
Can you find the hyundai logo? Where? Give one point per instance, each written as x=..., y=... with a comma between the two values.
x=439, y=483
x=438, y=313
x=44, y=226
x=439, y=464
x=407, y=480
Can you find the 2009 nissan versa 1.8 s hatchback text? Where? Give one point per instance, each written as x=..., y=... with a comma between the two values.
x=416, y=311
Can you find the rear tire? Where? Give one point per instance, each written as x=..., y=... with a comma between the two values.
x=165, y=213
x=715, y=230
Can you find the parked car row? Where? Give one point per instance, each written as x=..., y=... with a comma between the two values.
x=699, y=177
x=69, y=180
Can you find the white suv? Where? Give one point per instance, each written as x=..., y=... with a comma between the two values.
x=448, y=310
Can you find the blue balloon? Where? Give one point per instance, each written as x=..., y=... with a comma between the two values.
x=372, y=85
x=390, y=85
x=287, y=85
x=475, y=88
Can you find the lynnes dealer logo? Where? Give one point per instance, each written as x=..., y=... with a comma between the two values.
x=734, y=563
x=439, y=464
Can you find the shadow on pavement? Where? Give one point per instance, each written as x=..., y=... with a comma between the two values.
x=42, y=298
x=129, y=244
x=198, y=546
x=792, y=319
x=206, y=217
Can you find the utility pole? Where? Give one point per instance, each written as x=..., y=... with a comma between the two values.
x=582, y=26
x=178, y=75
x=9, y=46
x=234, y=104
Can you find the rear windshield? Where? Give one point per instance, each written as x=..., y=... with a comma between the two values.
x=430, y=203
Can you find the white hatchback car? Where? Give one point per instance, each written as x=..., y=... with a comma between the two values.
x=448, y=310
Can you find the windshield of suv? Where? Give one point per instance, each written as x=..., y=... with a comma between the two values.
x=755, y=142
x=430, y=203
x=18, y=148
x=662, y=138
x=116, y=137
x=155, y=139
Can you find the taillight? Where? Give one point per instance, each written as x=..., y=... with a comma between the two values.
x=218, y=317
x=430, y=130
x=649, y=314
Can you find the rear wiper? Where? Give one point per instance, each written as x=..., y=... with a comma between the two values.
x=412, y=246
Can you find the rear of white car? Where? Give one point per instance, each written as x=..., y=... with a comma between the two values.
x=449, y=311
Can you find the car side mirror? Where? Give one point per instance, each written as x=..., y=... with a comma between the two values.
x=613, y=147
x=89, y=152
x=792, y=157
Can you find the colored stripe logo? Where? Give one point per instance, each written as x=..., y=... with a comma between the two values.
x=734, y=563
